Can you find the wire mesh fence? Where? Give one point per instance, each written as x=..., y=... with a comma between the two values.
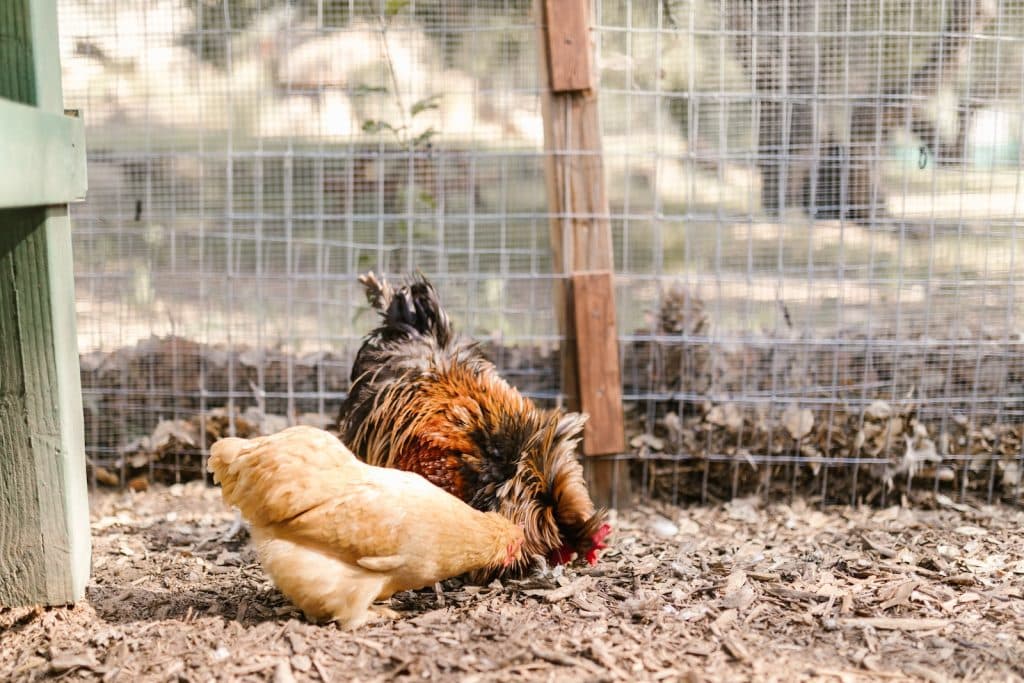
x=814, y=210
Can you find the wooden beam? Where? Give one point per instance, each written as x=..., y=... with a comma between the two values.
x=41, y=163
x=600, y=381
x=568, y=45
x=580, y=231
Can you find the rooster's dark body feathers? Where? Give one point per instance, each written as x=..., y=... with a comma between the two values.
x=428, y=402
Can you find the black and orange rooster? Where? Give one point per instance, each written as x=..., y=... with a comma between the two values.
x=426, y=401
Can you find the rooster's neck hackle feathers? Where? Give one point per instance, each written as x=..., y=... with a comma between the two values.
x=548, y=493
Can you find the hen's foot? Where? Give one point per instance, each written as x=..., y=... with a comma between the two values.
x=383, y=612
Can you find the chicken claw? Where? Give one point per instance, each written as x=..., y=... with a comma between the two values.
x=383, y=613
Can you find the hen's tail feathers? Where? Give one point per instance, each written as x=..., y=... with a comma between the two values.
x=278, y=477
x=414, y=305
x=222, y=454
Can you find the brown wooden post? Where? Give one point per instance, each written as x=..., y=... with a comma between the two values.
x=581, y=241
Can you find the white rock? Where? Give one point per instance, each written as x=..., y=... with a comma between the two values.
x=663, y=528
x=689, y=527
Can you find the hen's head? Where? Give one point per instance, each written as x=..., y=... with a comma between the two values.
x=514, y=551
x=549, y=497
x=508, y=539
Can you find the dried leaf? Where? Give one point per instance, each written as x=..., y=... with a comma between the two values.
x=139, y=483
x=63, y=663
x=798, y=422
x=725, y=415
x=736, y=579
x=649, y=440
x=105, y=476
x=167, y=432
x=283, y=673
x=301, y=662
x=878, y=410
x=568, y=591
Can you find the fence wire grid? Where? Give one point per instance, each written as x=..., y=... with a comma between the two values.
x=815, y=210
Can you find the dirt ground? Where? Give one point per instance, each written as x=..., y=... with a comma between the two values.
x=743, y=591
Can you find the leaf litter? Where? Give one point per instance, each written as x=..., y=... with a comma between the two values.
x=740, y=591
x=152, y=409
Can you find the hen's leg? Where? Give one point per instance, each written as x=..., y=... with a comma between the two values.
x=236, y=527
x=322, y=586
x=352, y=605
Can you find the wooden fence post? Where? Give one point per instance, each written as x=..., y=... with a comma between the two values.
x=581, y=241
x=44, y=512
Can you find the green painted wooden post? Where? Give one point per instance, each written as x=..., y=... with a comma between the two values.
x=44, y=514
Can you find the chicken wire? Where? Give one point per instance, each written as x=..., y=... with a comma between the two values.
x=814, y=209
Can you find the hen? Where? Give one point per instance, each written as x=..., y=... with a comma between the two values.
x=428, y=402
x=335, y=534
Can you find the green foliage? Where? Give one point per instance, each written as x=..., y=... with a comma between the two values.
x=362, y=89
x=372, y=126
x=423, y=138
x=423, y=105
x=426, y=199
x=393, y=7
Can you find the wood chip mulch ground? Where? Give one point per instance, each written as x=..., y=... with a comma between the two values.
x=741, y=591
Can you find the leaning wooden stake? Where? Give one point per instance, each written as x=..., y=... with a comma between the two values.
x=581, y=241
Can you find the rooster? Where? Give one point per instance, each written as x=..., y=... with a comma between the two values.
x=336, y=534
x=424, y=400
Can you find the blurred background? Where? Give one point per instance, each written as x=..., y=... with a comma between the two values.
x=815, y=210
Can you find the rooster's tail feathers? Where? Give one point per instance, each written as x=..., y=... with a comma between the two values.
x=414, y=305
x=378, y=292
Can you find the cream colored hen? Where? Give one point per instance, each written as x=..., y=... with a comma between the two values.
x=336, y=534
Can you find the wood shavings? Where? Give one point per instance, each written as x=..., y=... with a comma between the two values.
x=763, y=592
x=568, y=591
x=896, y=623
